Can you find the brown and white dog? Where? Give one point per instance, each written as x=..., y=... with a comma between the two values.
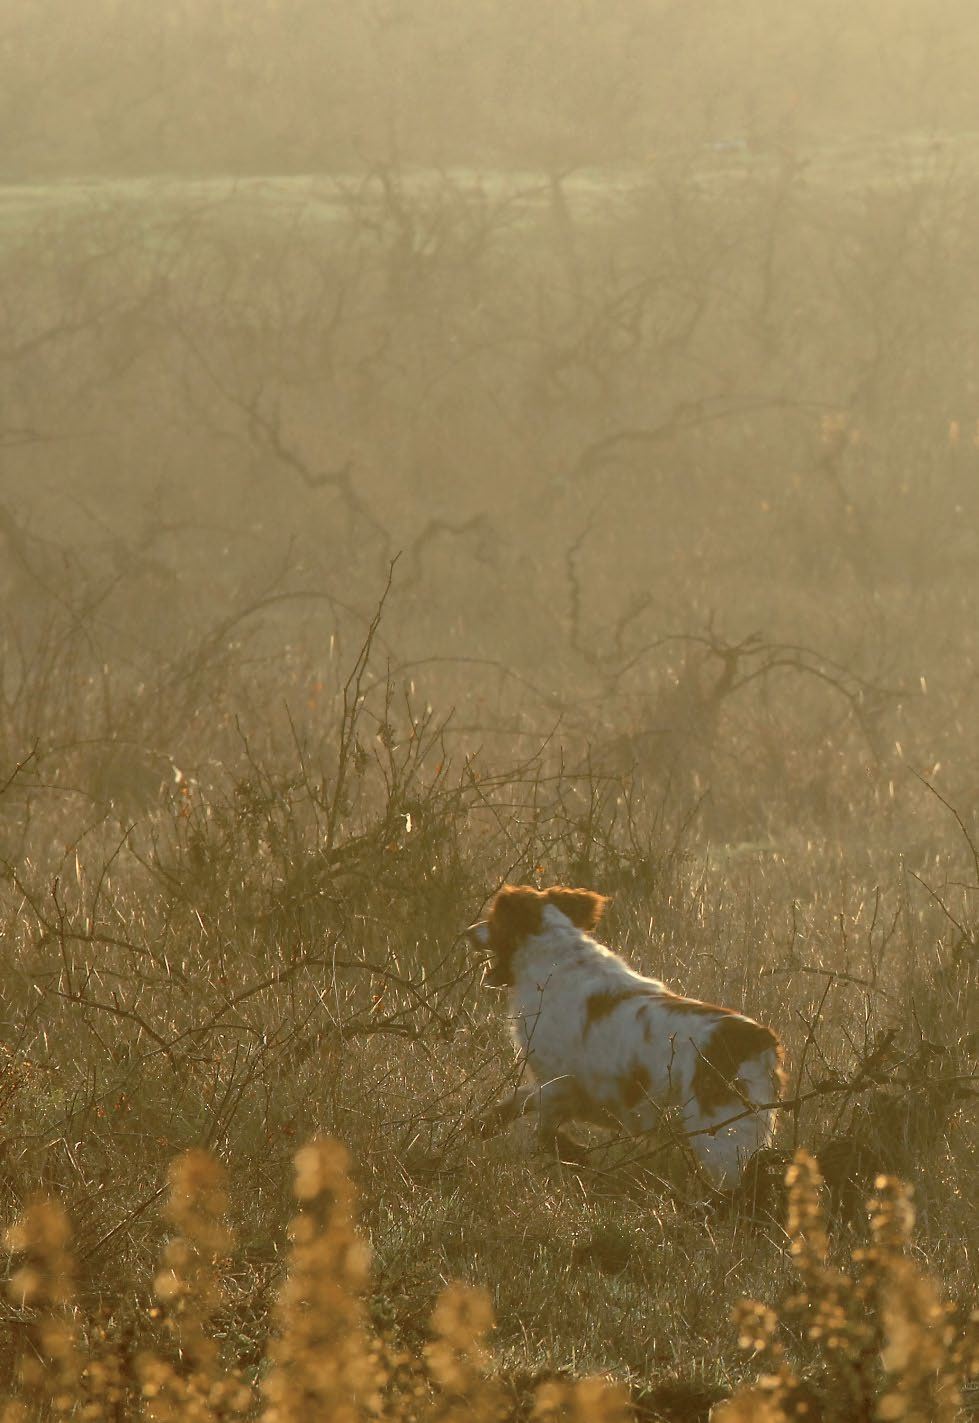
x=600, y=1042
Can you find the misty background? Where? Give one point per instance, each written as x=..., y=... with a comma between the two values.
x=642, y=336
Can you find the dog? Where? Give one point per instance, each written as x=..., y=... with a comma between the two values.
x=599, y=1042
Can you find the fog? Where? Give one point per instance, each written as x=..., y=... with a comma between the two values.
x=641, y=339
x=119, y=86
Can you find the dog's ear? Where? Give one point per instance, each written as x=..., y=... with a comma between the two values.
x=516, y=912
x=582, y=906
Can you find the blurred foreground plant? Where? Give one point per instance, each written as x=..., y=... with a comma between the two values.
x=882, y=1345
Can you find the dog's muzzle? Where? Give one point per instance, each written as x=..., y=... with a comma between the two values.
x=493, y=976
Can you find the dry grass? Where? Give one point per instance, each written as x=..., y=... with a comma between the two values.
x=684, y=612
x=275, y=949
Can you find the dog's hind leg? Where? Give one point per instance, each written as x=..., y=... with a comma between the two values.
x=558, y=1102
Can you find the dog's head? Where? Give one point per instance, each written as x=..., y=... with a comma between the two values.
x=517, y=914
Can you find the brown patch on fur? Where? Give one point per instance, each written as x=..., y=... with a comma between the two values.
x=733, y=1041
x=635, y=1085
x=516, y=912
x=516, y=915
x=582, y=906
x=600, y=1005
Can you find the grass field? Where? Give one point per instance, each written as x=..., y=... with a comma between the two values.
x=360, y=554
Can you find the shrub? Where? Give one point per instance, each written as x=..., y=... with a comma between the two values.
x=877, y=1343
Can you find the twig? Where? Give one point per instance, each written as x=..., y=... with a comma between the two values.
x=810, y=1039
